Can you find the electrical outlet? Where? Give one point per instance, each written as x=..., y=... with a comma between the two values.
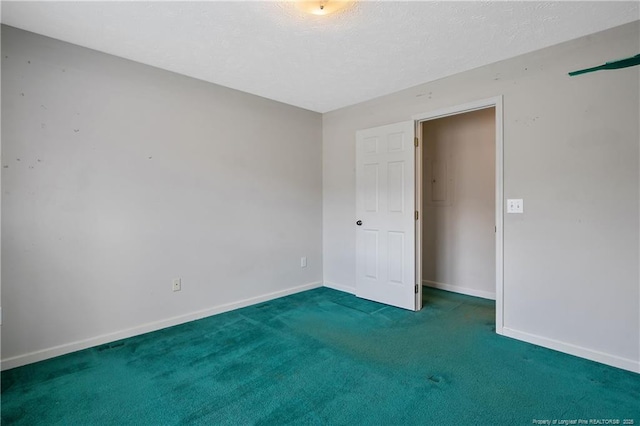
x=177, y=284
x=303, y=262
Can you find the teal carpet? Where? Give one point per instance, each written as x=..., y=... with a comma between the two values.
x=322, y=357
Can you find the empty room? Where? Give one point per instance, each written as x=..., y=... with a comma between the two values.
x=320, y=212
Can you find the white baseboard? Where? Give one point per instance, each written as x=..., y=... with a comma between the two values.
x=462, y=290
x=340, y=287
x=66, y=348
x=579, y=351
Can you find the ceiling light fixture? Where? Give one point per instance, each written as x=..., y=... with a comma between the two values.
x=321, y=7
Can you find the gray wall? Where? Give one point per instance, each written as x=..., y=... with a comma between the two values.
x=459, y=199
x=118, y=177
x=571, y=152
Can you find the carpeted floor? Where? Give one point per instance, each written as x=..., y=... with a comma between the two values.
x=322, y=357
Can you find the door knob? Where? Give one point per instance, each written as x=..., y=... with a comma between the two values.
x=359, y=223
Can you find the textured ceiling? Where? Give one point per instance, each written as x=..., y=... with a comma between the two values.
x=319, y=63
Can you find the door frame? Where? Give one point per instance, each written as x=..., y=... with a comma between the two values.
x=495, y=102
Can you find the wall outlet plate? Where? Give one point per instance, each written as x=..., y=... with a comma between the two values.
x=177, y=284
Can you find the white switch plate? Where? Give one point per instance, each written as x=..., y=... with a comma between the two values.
x=515, y=205
x=177, y=284
x=303, y=262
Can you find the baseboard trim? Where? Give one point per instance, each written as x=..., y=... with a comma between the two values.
x=340, y=287
x=462, y=290
x=41, y=355
x=579, y=351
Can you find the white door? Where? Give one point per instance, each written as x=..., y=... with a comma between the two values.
x=385, y=215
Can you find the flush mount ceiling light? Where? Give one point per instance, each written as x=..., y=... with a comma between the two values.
x=321, y=7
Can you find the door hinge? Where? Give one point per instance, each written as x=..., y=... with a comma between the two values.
x=415, y=142
x=416, y=214
x=416, y=288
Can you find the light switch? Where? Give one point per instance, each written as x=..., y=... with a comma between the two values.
x=515, y=205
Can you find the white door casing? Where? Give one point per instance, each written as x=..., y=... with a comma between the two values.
x=385, y=205
x=497, y=103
